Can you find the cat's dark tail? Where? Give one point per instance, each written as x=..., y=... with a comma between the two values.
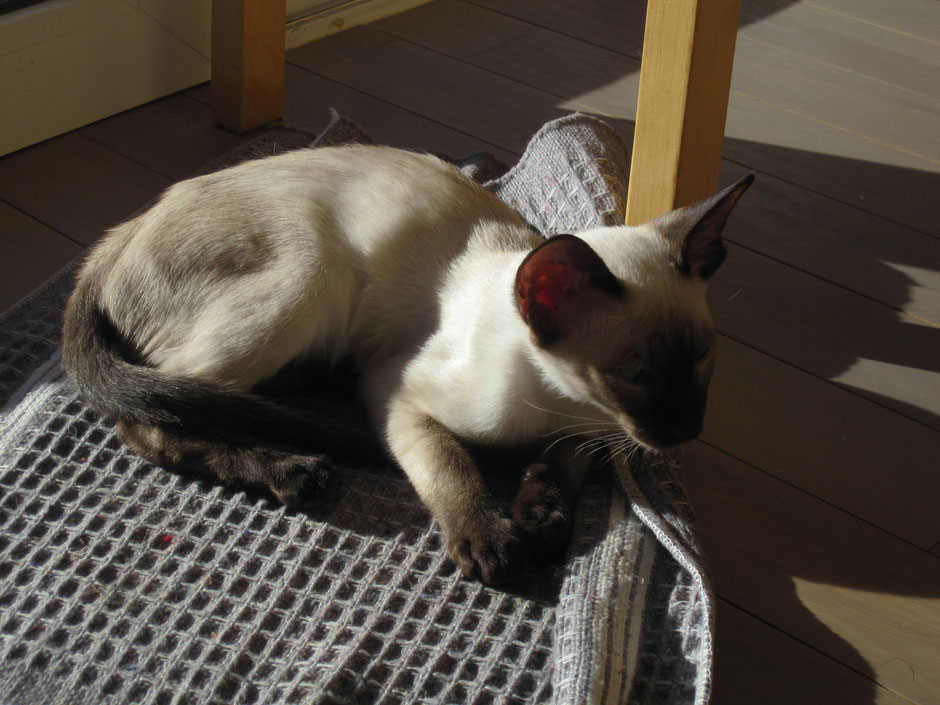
x=95, y=362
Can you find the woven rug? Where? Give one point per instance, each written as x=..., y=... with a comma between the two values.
x=121, y=582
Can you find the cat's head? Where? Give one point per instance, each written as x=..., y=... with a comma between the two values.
x=619, y=317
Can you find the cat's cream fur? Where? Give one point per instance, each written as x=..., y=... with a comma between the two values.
x=431, y=284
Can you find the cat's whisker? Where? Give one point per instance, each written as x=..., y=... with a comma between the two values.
x=563, y=437
x=598, y=448
x=597, y=426
x=608, y=439
x=580, y=448
x=596, y=443
x=560, y=439
x=628, y=445
x=600, y=440
x=638, y=450
x=561, y=413
x=618, y=448
x=626, y=441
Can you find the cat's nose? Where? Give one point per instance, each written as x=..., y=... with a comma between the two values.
x=686, y=429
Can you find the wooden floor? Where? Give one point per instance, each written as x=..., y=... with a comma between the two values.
x=817, y=480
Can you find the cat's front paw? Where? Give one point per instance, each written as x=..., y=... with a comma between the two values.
x=302, y=480
x=487, y=547
x=541, y=512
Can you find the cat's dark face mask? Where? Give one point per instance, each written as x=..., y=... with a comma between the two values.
x=660, y=399
x=640, y=349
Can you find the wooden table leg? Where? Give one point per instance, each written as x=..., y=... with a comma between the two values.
x=685, y=80
x=247, y=62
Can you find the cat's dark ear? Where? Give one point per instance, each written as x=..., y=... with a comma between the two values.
x=695, y=231
x=558, y=283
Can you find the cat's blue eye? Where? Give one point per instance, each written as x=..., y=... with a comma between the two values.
x=636, y=374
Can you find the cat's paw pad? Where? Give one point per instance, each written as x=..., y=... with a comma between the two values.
x=303, y=480
x=541, y=512
x=487, y=548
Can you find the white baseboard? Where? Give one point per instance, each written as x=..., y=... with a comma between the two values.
x=66, y=63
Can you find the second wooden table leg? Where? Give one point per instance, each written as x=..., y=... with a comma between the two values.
x=247, y=62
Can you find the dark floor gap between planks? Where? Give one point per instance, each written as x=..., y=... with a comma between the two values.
x=40, y=221
x=403, y=109
x=742, y=624
x=844, y=287
x=131, y=158
x=798, y=640
x=627, y=54
x=807, y=493
x=470, y=62
x=841, y=387
x=830, y=197
x=174, y=178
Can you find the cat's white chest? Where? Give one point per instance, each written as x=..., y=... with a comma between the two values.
x=474, y=375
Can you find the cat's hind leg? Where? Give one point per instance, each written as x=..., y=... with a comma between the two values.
x=296, y=480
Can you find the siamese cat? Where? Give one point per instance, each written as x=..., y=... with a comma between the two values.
x=464, y=325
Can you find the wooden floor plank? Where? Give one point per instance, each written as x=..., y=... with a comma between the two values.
x=880, y=259
x=173, y=136
x=446, y=90
x=76, y=186
x=872, y=108
x=458, y=29
x=870, y=50
x=310, y=97
x=384, y=121
x=917, y=18
x=539, y=58
x=866, y=174
x=852, y=453
x=30, y=253
x=337, y=46
x=613, y=24
x=830, y=332
x=755, y=663
x=847, y=589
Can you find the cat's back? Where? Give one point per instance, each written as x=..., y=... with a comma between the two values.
x=386, y=200
x=351, y=240
x=365, y=197
x=360, y=203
